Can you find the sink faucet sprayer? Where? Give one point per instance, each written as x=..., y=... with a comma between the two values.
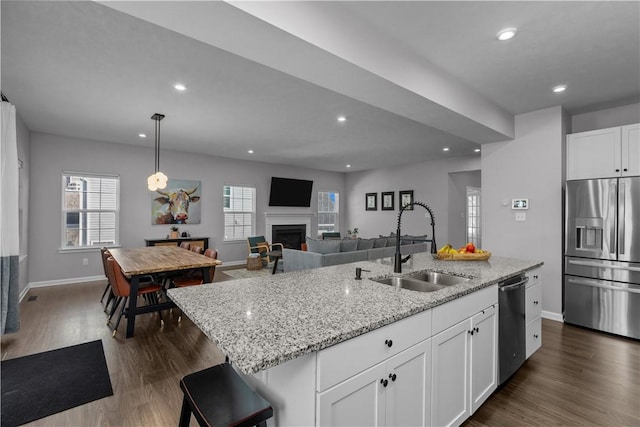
x=398, y=260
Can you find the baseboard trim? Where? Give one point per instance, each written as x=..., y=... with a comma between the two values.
x=73, y=281
x=552, y=316
x=232, y=264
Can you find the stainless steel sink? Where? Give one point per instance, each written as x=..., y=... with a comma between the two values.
x=411, y=284
x=423, y=282
x=438, y=278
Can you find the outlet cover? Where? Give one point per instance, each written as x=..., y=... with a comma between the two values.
x=521, y=216
x=85, y=261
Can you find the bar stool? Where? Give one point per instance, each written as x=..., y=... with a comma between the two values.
x=218, y=396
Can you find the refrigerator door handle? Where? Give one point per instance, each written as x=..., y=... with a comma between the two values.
x=612, y=222
x=621, y=222
x=600, y=265
x=599, y=284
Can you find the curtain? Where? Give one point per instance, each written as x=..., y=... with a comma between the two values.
x=9, y=212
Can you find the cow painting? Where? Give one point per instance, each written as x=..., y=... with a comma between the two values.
x=177, y=204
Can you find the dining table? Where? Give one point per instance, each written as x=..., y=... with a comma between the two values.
x=153, y=260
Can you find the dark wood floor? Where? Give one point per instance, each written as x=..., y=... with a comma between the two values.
x=577, y=378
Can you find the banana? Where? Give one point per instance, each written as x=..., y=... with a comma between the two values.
x=445, y=249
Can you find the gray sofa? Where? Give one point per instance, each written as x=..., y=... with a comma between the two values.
x=322, y=253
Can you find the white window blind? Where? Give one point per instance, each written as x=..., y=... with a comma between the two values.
x=239, y=212
x=90, y=210
x=328, y=209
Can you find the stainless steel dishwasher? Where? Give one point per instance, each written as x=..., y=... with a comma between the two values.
x=512, y=324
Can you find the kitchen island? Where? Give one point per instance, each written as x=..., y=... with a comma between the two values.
x=297, y=336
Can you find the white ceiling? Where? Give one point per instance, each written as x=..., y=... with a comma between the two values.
x=411, y=77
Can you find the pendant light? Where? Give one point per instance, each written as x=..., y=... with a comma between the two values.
x=157, y=180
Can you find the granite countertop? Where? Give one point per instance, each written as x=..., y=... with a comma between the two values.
x=263, y=322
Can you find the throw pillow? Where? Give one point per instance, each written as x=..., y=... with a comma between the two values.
x=348, y=245
x=380, y=243
x=323, y=246
x=364, y=244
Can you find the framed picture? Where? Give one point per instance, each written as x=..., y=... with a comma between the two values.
x=387, y=201
x=178, y=203
x=371, y=202
x=406, y=197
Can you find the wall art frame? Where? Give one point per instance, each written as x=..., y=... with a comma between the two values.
x=371, y=202
x=387, y=200
x=406, y=197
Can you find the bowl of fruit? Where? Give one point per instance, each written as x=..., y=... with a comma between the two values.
x=466, y=253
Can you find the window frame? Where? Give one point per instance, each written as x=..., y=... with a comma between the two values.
x=336, y=212
x=225, y=212
x=473, y=223
x=64, y=212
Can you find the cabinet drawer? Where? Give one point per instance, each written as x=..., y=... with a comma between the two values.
x=452, y=312
x=533, y=296
x=341, y=361
x=535, y=276
x=534, y=336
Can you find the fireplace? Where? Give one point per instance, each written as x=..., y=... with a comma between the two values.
x=291, y=235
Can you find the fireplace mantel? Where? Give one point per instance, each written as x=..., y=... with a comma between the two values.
x=286, y=218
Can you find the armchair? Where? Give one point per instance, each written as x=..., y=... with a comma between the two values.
x=259, y=245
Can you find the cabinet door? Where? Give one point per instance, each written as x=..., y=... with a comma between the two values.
x=450, y=375
x=631, y=150
x=357, y=401
x=484, y=358
x=594, y=154
x=408, y=398
x=534, y=336
x=533, y=302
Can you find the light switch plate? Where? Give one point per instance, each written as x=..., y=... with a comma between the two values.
x=521, y=216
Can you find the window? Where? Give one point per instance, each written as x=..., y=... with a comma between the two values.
x=327, y=212
x=473, y=216
x=239, y=212
x=90, y=211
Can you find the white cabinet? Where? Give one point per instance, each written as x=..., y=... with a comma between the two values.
x=464, y=367
x=630, y=151
x=392, y=393
x=484, y=356
x=533, y=311
x=604, y=153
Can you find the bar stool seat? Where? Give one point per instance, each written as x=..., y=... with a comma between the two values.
x=217, y=396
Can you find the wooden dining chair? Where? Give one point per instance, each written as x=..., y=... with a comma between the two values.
x=121, y=288
x=195, y=277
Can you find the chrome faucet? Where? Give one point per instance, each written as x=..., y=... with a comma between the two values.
x=398, y=260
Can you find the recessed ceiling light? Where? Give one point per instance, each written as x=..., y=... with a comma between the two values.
x=342, y=119
x=250, y=151
x=506, y=34
x=445, y=149
x=477, y=150
x=559, y=88
x=348, y=166
x=179, y=86
x=142, y=135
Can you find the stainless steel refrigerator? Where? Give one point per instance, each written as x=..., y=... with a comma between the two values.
x=602, y=255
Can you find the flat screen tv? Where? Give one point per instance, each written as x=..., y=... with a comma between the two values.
x=290, y=192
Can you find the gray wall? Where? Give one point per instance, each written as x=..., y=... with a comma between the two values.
x=457, y=212
x=530, y=166
x=429, y=182
x=610, y=117
x=50, y=155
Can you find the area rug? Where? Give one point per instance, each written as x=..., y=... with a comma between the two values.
x=43, y=384
x=243, y=273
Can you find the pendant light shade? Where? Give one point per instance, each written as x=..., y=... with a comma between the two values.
x=157, y=180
